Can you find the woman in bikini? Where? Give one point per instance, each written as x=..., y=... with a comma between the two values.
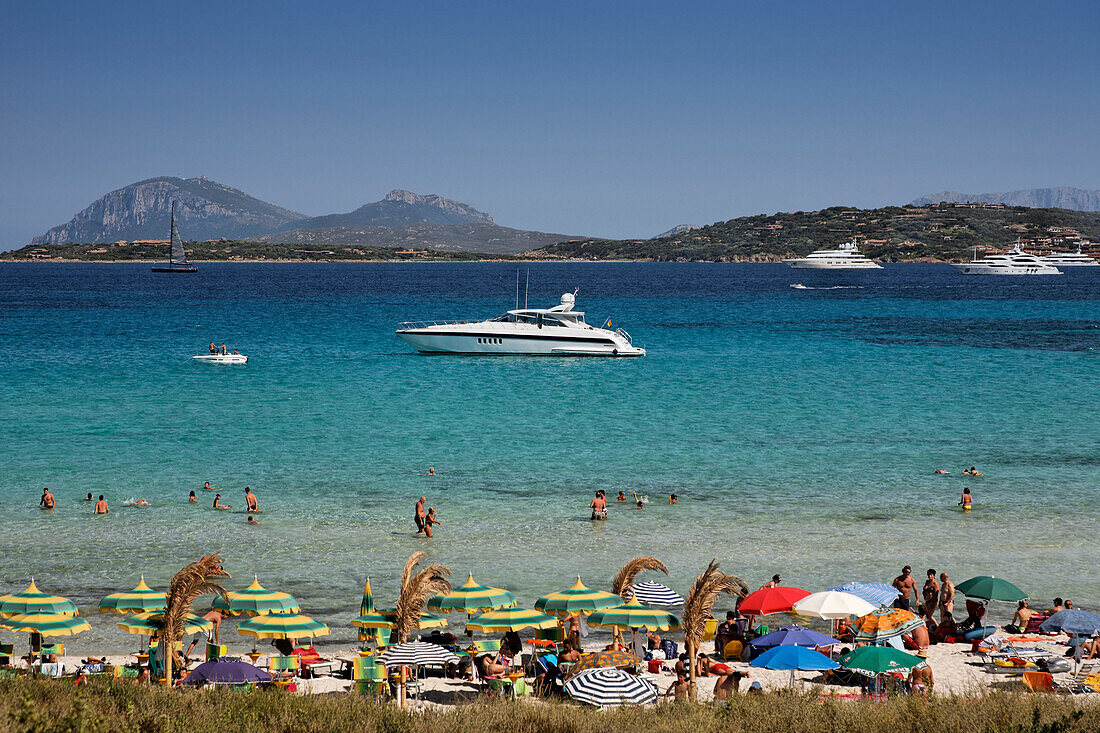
x=931, y=593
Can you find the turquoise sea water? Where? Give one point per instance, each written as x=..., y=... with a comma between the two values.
x=801, y=428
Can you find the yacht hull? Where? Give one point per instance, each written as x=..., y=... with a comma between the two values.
x=221, y=358
x=503, y=344
x=968, y=268
x=812, y=265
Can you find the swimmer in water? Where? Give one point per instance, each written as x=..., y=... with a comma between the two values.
x=672, y=498
x=972, y=472
x=47, y=501
x=966, y=499
x=621, y=496
x=208, y=487
x=140, y=502
x=431, y=470
x=89, y=497
x=251, y=499
x=192, y=499
x=939, y=470
x=101, y=506
x=252, y=520
x=218, y=503
x=640, y=504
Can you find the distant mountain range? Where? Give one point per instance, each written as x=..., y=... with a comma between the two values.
x=1061, y=197
x=679, y=229
x=207, y=210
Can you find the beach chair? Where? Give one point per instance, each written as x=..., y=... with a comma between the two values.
x=709, y=629
x=733, y=650
x=1039, y=681
x=369, y=676
x=215, y=651
x=279, y=665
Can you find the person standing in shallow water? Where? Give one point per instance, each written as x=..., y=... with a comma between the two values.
x=101, y=506
x=418, y=515
x=47, y=501
x=430, y=520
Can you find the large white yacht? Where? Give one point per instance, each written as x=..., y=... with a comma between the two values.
x=1014, y=262
x=845, y=257
x=1071, y=259
x=556, y=331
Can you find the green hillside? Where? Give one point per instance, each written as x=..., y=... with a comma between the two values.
x=892, y=234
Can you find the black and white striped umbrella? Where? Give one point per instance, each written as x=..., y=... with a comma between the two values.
x=416, y=654
x=607, y=687
x=655, y=594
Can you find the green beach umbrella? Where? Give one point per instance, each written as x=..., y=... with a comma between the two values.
x=471, y=598
x=34, y=601
x=282, y=626
x=366, y=606
x=874, y=660
x=256, y=600
x=151, y=623
x=988, y=588
x=511, y=619
x=633, y=615
x=578, y=599
x=46, y=624
x=141, y=599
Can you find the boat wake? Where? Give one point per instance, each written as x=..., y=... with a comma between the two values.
x=800, y=286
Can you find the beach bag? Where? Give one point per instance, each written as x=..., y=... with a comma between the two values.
x=670, y=648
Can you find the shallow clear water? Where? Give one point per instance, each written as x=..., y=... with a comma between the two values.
x=799, y=427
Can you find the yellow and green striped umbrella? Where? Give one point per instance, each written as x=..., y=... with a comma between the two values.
x=511, y=619
x=577, y=599
x=282, y=626
x=46, y=624
x=255, y=600
x=471, y=598
x=141, y=599
x=366, y=606
x=633, y=615
x=383, y=618
x=151, y=623
x=34, y=601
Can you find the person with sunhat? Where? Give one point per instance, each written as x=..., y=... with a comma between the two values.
x=920, y=677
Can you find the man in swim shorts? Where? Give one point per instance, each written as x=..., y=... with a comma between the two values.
x=905, y=585
x=599, y=506
x=947, y=598
x=101, y=506
x=47, y=501
x=251, y=499
x=418, y=516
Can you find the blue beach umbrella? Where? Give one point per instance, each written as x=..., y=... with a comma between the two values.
x=1072, y=621
x=795, y=636
x=793, y=658
x=877, y=594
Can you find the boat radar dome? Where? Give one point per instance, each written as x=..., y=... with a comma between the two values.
x=568, y=299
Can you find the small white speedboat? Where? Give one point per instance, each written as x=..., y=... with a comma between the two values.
x=221, y=358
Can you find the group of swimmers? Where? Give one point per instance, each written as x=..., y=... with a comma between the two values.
x=599, y=504
x=48, y=502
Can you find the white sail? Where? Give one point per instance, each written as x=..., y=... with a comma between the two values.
x=179, y=257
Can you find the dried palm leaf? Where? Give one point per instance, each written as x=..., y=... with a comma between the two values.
x=623, y=579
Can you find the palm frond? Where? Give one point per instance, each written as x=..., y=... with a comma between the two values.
x=699, y=602
x=417, y=586
x=623, y=579
x=192, y=581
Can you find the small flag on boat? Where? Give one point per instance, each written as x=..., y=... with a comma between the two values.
x=607, y=323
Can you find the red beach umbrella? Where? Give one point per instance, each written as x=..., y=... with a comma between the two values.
x=771, y=600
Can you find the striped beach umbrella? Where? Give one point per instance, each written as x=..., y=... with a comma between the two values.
x=256, y=600
x=369, y=633
x=471, y=598
x=877, y=594
x=141, y=599
x=578, y=599
x=384, y=618
x=151, y=623
x=511, y=619
x=654, y=594
x=610, y=687
x=885, y=623
x=779, y=599
x=633, y=615
x=279, y=625
x=416, y=654
x=46, y=624
x=35, y=602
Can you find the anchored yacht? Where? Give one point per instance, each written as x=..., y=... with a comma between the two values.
x=556, y=331
x=1071, y=259
x=846, y=257
x=1014, y=262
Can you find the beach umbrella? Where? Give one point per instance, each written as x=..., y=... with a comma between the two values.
x=877, y=594
x=610, y=687
x=45, y=624
x=771, y=600
x=34, y=601
x=255, y=600
x=652, y=593
x=369, y=633
x=472, y=598
x=793, y=658
x=151, y=623
x=384, y=618
x=282, y=626
x=633, y=615
x=1072, y=621
x=416, y=654
x=832, y=604
x=577, y=600
x=606, y=658
x=794, y=636
x=872, y=661
x=988, y=588
x=511, y=619
x=885, y=622
x=226, y=671
x=139, y=600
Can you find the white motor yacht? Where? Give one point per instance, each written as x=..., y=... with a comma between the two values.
x=221, y=358
x=845, y=257
x=1014, y=262
x=556, y=331
x=1071, y=259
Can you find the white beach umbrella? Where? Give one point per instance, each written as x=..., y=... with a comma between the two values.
x=832, y=604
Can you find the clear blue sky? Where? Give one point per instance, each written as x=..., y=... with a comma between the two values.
x=611, y=119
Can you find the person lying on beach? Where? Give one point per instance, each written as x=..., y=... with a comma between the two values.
x=218, y=503
x=704, y=666
x=491, y=665
x=250, y=499
x=47, y=500
x=728, y=681
x=101, y=506
x=680, y=688
x=1090, y=649
x=191, y=498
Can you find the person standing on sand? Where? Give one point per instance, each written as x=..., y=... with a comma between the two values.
x=418, y=516
x=101, y=506
x=931, y=593
x=947, y=598
x=47, y=501
x=250, y=498
x=905, y=585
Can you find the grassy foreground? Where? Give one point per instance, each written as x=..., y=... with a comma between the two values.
x=45, y=705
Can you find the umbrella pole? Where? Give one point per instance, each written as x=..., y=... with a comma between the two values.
x=401, y=688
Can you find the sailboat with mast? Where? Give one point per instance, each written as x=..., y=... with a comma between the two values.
x=178, y=261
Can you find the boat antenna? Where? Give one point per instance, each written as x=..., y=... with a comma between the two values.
x=526, y=288
x=517, y=288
